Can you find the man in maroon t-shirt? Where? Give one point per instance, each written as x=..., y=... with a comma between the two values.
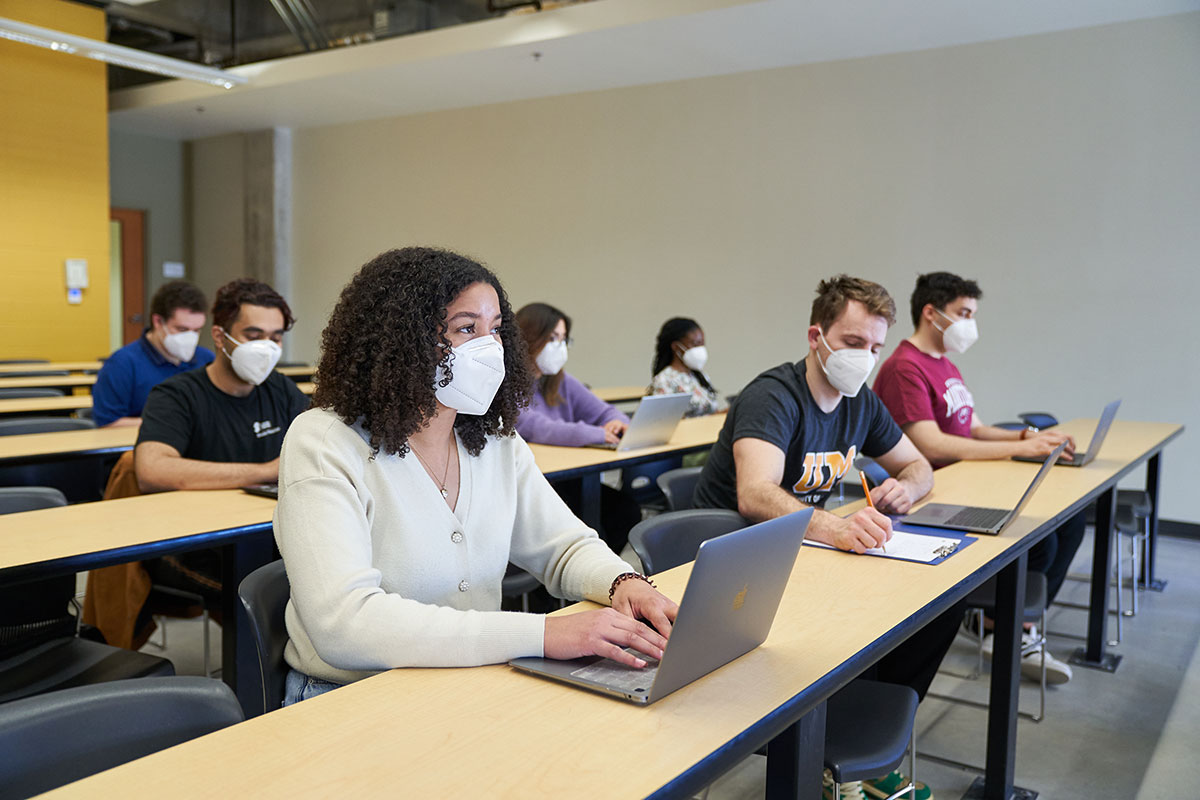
x=926, y=395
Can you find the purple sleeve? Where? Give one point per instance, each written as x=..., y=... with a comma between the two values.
x=586, y=407
x=538, y=427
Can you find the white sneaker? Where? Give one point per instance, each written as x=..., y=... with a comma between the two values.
x=1031, y=663
x=852, y=790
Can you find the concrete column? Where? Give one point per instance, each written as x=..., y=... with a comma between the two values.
x=267, y=198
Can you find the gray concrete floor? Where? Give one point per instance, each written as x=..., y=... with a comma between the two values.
x=1132, y=734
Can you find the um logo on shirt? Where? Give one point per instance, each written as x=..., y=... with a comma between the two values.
x=822, y=471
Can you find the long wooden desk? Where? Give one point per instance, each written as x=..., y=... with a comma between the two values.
x=524, y=737
x=70, y=381
x=586, y=463
x=58, y=366
x=44, y=405
x=620, y=394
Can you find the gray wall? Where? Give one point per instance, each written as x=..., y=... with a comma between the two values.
x=146, y=173
x=1059, y=170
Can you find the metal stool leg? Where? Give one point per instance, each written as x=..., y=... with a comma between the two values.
x=1120, y=612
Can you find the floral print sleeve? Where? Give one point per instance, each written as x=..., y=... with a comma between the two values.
x=704, y=401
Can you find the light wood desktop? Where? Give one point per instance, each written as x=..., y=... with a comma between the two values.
x=620, y=394
x=59, y=366
x=44, y=405
x=476, y=724
x=47, y=382
x=493, y=732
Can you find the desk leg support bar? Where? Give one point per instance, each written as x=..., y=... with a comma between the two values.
x=1005, y=687
x=796, y=759
x=1094, y=656
x=239, y=656
x=1153, y=476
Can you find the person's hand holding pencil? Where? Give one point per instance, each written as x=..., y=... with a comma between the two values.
x=870, y=502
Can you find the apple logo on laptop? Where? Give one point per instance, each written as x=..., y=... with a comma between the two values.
x=739, y=599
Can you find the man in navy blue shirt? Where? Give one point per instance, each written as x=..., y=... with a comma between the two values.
x=168, y=347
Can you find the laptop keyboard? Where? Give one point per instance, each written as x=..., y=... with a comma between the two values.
x=978, y=518
x=618, y=676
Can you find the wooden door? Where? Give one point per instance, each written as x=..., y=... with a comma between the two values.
x=133, y=271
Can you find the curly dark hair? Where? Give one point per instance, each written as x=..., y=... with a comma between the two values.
x=386, y=338
x=940, y=289
x=177, y=294
x=249, y=292
x=671, y=332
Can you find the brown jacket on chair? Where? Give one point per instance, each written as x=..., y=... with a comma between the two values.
x=116, y=595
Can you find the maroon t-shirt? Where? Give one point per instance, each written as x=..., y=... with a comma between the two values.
x=915, y=387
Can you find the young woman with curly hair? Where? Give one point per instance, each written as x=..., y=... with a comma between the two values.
x=679, y=359
x=405, y=492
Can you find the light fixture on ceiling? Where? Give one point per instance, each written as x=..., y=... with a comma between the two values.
x=126, y=57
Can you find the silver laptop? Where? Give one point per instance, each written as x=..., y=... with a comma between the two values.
x=726, y=611
x=653, y=423
x=974, y=518
x=1093, y=449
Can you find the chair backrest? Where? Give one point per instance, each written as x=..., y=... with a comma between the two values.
x=39, y=373
x=264, y=595
x=18, y=426
x=875, y=473
x=673, y=538
x=1039, y=419
x=15, y=499
x=24, y=361
x=58, y=737
x=11, y=393
x=678, y=485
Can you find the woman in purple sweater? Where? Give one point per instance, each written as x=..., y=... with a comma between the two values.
x=564, y=412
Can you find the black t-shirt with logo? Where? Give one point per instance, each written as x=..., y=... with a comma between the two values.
x=778, y=408
x=200, y=421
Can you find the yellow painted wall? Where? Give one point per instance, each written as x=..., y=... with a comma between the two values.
x=53, y=188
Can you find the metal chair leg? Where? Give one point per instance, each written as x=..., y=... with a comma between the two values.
x=1120, y=612
x=1133, y=573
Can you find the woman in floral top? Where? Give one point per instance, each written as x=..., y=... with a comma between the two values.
x=679, y=358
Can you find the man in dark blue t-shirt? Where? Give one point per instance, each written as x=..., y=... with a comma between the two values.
x=166, y=348
x=795, y=430
x=793, y=433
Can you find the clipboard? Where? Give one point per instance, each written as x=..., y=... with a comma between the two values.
x=936, y=555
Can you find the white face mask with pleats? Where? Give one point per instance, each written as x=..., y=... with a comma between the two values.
x=181, y=345
x=552, y=358
x=695, y=357
x=847, y=369
x=959, y=334
x=478, y=370
x=253, y=360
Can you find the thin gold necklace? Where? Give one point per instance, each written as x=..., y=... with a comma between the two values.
x=442, y=483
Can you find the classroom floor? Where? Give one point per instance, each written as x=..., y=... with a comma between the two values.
x=1133, y=734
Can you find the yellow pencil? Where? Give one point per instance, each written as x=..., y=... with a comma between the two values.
x=870, y=502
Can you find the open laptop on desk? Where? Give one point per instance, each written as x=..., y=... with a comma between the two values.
x=726, y=611
x=1093, y=449
x=974, y=518
x=653, y=423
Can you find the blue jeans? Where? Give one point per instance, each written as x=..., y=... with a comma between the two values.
x=299, y=686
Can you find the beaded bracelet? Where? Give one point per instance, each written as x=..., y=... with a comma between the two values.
x=624, y=576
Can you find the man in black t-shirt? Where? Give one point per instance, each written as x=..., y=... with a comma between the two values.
x=221, y=426
x=795, y=430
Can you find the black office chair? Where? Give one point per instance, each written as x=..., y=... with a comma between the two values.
x=40, y=373
x=517, y=584
x=883, y=709
x=19, y=426
x=264, y=594
x=640, y=481
x=39, y=651
x=13, y=393
x=80, y=479
x=677, y=485
x=24, y=361
x=982, y=602
x=1038, y=419
x=56, y=738
x=869, y=726
x=671, y=539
